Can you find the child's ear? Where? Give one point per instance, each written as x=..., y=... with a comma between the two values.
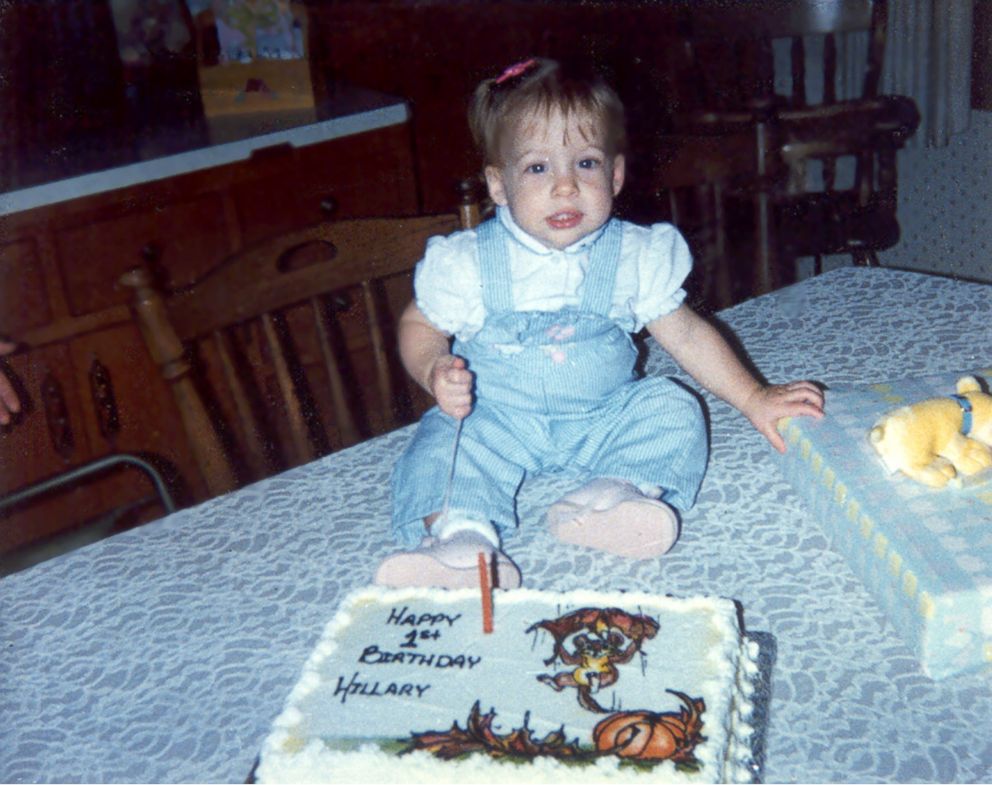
x=494, y=182
x=619, y=170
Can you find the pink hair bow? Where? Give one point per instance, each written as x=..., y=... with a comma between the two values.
x=516, y=69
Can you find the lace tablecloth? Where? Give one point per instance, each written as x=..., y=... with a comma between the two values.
x=163, y=654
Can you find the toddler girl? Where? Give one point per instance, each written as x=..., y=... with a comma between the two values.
x=541, y=301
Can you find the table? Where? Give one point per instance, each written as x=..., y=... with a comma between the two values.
x=163, y=654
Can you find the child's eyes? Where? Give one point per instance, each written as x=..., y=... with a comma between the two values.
x=584, y=163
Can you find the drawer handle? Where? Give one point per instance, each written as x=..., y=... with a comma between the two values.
x=57, y=416
x=104, y=400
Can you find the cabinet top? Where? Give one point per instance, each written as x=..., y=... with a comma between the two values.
x=346, y=111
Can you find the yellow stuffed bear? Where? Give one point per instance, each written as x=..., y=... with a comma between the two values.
x=936, y=440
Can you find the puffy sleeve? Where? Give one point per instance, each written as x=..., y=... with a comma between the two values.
x=447, y=284
x=658, y=260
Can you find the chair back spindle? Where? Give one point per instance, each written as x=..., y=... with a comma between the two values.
x=254, y=452
x=339, y=400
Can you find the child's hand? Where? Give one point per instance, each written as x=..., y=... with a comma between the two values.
x=9, y=404
x=451, y=386
x=767, y=405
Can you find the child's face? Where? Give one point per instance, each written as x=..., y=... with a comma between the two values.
x=556, y=177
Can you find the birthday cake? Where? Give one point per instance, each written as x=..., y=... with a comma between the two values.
x=408, y=685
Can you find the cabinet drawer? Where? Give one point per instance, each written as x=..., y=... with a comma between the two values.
x=188, y=237
x=23, y=296
x=363, y=175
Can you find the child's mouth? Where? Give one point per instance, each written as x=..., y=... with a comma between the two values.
x=565, y=220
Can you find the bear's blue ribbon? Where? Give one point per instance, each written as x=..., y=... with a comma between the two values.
x=965, y=405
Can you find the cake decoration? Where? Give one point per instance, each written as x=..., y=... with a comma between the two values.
x=640, y=735
x=606, y=638
x=579, y=686
x=479, y=736
x=650, y=736
x=938, y=440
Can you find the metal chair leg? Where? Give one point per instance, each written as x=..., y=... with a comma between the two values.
x=97, y=466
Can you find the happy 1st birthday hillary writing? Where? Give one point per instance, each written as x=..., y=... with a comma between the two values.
x=422, y=629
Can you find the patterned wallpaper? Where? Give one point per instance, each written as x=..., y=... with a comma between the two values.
x=945, y=206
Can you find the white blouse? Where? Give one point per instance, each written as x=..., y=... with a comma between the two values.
x=654, y=262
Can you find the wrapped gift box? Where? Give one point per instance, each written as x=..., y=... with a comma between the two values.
x=925, y=554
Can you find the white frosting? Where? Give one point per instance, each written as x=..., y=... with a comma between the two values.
x=351, y=693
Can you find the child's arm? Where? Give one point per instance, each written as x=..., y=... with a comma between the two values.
x=698, y=347
x=427, y=357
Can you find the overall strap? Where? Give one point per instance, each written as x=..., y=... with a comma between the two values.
x=604, y=258
x=494, y=267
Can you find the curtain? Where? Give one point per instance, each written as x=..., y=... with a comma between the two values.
x=928, y=58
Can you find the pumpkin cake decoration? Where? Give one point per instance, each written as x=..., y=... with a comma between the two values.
x=405, y=685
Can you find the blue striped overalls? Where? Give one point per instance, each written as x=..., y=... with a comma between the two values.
x=553, y=390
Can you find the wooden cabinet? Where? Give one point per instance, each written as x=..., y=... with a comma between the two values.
x=87, y=382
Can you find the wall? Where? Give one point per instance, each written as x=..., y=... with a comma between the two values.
x=945, y=206
x=434, y=53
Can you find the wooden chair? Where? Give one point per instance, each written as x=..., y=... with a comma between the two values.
x=266, y=353
x=816, y=170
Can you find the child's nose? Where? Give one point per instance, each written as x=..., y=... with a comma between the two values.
x=565, y=183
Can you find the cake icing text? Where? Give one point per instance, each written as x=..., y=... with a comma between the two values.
x=373, y=655
x=376, y=689
x=404, y=617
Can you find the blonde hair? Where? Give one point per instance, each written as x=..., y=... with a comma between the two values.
x=543, y=86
